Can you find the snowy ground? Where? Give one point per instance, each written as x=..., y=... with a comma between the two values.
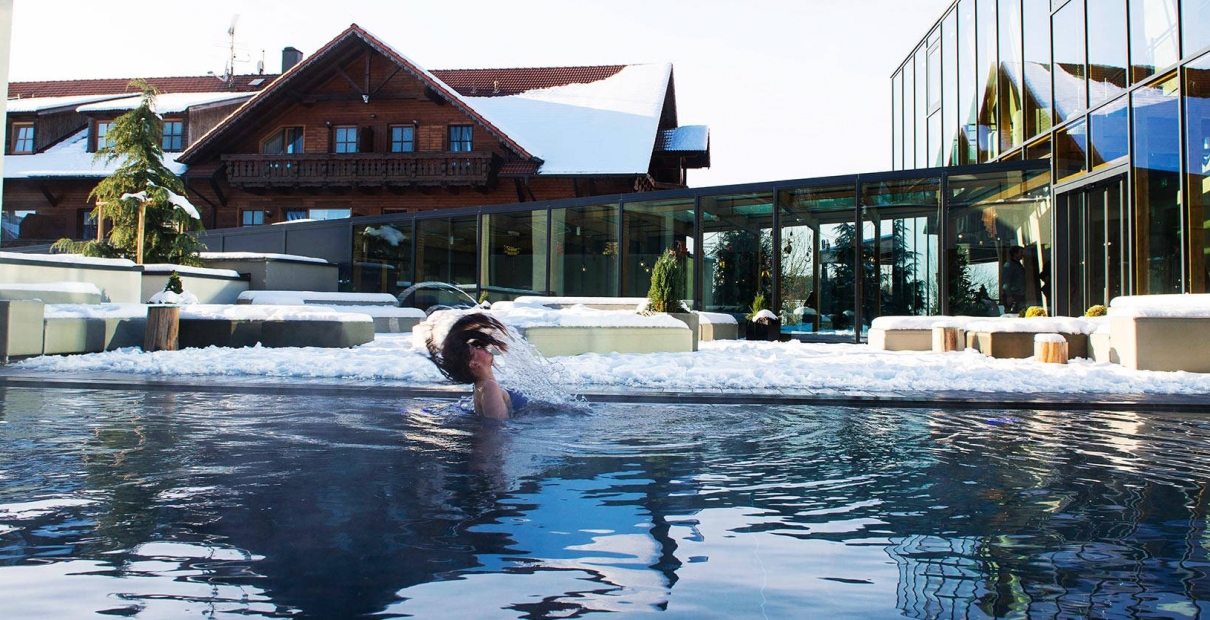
x=788, y=368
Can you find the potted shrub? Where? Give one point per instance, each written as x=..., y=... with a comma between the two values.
x=668, y=291
x=762, y=323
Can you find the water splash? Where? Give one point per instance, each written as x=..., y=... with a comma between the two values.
x=543, y=382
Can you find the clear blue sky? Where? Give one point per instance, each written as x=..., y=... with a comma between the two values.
x=795, y=88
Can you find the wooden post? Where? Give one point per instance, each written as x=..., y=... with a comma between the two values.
x=948, y=338
x=1050, y=348
x=163, y=328
x=139, y=252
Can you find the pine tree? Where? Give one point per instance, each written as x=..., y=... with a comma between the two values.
x=142, y=183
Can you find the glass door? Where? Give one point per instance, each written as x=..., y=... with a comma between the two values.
x=1092, y=222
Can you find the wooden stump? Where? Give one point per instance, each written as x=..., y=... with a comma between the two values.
x=949, y=339
x=1050, y=348
x=163, y=328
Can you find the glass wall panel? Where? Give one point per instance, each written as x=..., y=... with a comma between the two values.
x=651, y=229
x=922, y=158
x=1038, y=150
x=989, y=137
x=1195, y=36
x=737, y=246
x=936, y=148
x=584, y=260
x=1010, y=107
x=1069, y=83
x=1197, y=114
x=382, y=257
x=814, y=221
x=1157, y=156
x=897, y=121
x=1036, y=19
x=949, y=74
x=1154, y=44
x=900, y=248
x=513, y=255
x=1071, y=151
x=1108, y=130
x=989, y=215
x=446, y=251
x=1106, y=50
x=934, y=72
x=909, y=114
x=968, y=100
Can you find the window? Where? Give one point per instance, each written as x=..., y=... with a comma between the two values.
x=403, y=139
x=296, y=214
x=23, y=137
x=286, y=141
x=253, y=218
x=345, y=139
x=174, y=136
x=293, y=215
x=11, y=221
x=88, y=224
x=460, y=138
x=102, y=135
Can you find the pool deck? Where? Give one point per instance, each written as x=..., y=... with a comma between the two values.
x=1170, y=403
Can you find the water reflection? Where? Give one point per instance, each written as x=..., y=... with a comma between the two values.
x=154, y=504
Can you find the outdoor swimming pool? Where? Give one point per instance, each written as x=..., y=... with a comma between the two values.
x=167, y=505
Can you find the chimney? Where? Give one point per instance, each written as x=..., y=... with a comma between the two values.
x=289, y=58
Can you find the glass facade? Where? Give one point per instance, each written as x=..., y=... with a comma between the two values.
x=1112, y=93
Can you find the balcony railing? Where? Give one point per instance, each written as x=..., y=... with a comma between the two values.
x=359, y=170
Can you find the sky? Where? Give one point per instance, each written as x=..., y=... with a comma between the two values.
x=789, y=89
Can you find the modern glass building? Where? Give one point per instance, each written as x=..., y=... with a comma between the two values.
x=829, y=254
x=1113, y=96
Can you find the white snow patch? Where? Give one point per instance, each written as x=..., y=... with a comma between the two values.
x=168, y=268
x=79, y=259
x=259, y=256
x=70, y=158
x=1176, y=306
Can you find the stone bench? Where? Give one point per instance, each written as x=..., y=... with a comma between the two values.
x=381, y=307
x=1013, y=338
x=21, y=329
x=1161, y=332
x=552, y=341
x=273, y=326
x=908, y=333
x=717, y=326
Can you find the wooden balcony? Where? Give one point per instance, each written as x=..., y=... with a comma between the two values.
x=318, y=170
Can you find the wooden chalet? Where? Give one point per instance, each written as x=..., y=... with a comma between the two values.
x=358, y=129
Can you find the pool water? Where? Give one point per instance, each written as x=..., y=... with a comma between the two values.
x=169, y=505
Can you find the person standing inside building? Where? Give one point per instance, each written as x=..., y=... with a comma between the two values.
x=1012, y=281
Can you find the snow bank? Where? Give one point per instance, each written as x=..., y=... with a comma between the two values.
x=1040, y=324
x=78, y=259
x=919, y=322
x=168, y=268
x=258, y=256
x=286, y=297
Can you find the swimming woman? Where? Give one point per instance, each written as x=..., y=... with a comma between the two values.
x=467, y=355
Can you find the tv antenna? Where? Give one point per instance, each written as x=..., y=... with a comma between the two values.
x=230, y=73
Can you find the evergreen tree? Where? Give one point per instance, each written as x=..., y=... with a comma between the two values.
x=141, y=183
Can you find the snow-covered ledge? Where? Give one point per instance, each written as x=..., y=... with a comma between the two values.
x=210, y=286
x=1013, y=338
x=1161, y=332
x=909, y=333
x=119, y=280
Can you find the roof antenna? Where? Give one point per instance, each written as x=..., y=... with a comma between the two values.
x=229, y=74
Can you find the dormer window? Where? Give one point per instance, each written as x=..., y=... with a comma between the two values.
x=287, y=141
x=23, y=138
x=102, y=139
x=345, y=139
x=460, y=138
x=174, y=136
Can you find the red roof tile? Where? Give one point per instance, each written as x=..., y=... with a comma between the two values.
x=198, y=84
x=502, y=82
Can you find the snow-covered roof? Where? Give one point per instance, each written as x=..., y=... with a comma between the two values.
x=168, y=103
x=40, y=104
x=604, y=127
x=69, y=158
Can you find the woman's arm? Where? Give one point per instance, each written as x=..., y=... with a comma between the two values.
x=493, y=401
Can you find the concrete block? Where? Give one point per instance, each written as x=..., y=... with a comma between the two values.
x=49, y=296
x=900, y=339
x=552, y=341
x=1019, y=345
x=1161, y=343
x=327, y=334
x=21, y=330
x=202, y=333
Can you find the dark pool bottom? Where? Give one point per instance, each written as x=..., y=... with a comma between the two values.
x=162, y=505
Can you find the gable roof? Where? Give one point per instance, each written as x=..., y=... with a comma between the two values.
x=352, y=34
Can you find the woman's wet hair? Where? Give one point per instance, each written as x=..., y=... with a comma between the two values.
x=453, y=355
